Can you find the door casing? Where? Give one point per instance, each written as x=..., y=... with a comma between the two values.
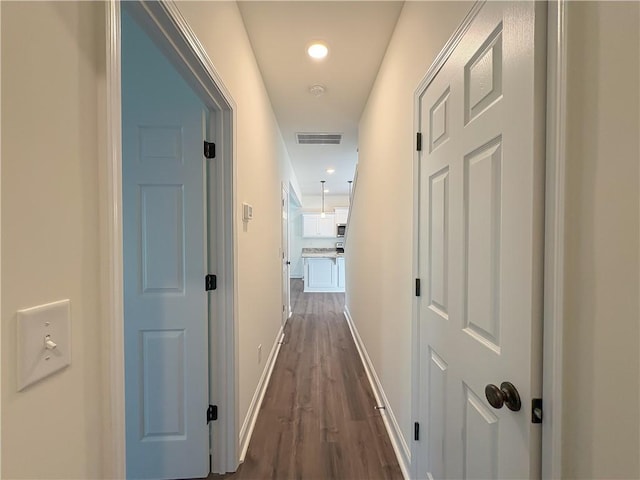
x=554, y=238
x=286, y=270
x=168, y=29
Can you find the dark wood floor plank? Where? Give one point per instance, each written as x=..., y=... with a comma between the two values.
x=317, y=419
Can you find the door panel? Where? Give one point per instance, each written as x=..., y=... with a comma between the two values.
x=165, y=305
x=163, y=383
x=436, y=411
x=480, y=443
x=482, y=205
x=480, y=248
x=439, y=242
x=162, y=227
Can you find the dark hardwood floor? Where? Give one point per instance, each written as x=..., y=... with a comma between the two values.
x=317, y=419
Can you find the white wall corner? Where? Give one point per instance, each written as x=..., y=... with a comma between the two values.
x=399, y=443
x=256, y=402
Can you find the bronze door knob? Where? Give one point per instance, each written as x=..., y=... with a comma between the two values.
x=507, y=395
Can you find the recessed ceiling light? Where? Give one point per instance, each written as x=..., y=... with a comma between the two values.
x=331, y=170
x=317, y=50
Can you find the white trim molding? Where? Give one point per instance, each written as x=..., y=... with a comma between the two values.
x=111, y=253
x=258, y=396
x=445, y=53
x=398, y=442
x=554, y=240
x=166, y=26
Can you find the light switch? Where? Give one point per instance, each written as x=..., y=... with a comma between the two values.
x=247, y=212
x=44, y=341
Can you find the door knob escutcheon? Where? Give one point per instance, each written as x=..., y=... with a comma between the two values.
x=507, y=395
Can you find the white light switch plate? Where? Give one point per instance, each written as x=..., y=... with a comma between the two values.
x=247, y=212
x=35, y=326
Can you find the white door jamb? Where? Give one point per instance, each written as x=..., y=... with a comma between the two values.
x=111, y=278
x=286, y=244
x=554, y=240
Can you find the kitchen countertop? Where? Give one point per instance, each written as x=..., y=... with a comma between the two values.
x=321, y=253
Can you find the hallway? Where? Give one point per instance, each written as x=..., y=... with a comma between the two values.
x=317, y=419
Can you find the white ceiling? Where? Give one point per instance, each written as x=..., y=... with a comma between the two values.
x=357, y=34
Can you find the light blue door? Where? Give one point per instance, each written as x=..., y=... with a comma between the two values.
x=166, y=322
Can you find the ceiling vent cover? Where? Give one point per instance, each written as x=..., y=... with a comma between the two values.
x=319, y=138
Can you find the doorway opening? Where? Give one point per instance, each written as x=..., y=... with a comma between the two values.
x=164, y=26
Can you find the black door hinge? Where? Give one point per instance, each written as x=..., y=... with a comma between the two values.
x=209, y=149
x=417, y=287
x=536, y=410
x=416, y=431
x=212, y=413
x=210, y=282
x=419, y=141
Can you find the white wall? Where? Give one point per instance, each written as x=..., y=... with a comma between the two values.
x=601, y=376
x=379, y=247
x=262, y=164
x=52, y=65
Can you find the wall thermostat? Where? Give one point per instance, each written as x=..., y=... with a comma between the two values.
x=247, y=212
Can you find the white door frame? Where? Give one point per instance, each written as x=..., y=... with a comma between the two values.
x=553, y=323
x=286, y=246
x=554, y=231
x=164, y=23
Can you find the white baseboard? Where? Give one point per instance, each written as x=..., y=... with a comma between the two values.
x=400, y=447
x=256, y=402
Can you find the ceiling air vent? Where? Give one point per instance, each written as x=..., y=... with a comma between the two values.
x=319, y=138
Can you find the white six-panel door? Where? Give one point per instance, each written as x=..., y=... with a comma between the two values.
x=480, y=248
x=166, y=321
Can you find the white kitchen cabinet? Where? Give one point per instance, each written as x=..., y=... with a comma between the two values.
x=342, y=214
x=321, y=273
x=324, y=274
x=309, y=225
x=327, y=226
x=340, y=265
x=313, y=225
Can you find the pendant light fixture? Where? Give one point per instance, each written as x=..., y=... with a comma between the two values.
x=322, y=214
x=350, y=182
